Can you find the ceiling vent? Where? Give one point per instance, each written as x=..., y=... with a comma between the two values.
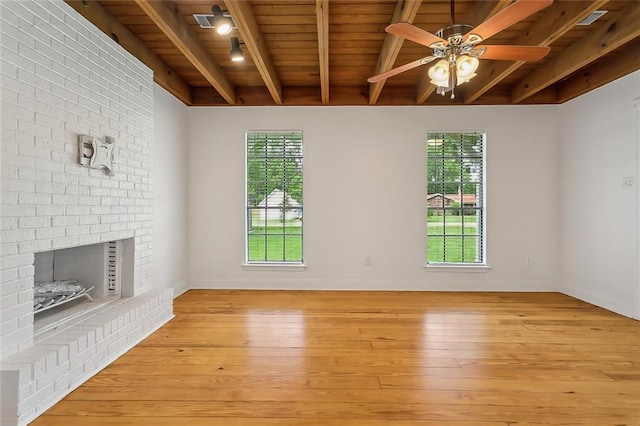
x=204, y=20
x=594, y=16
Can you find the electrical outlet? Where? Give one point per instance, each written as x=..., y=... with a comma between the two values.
x=627, y=182
x=367, y=260
x=528, y=261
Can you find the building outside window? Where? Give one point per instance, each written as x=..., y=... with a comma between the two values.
x=455, y=198
x=274, y=197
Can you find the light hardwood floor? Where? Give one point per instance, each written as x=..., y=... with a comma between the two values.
x=371, y=358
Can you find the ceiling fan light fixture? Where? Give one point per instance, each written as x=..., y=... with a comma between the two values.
x=439, y=73
x=222, y=24
x=457, y=46
x=237, y=55
x=466, y=67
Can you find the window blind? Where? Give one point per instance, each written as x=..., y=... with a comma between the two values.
x=274, y=196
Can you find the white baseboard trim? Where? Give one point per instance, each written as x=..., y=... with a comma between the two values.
x=600, y=300
x=180, y=288
x=373, y=285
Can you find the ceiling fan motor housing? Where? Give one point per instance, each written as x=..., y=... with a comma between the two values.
x=454, y=34
x=456, y=40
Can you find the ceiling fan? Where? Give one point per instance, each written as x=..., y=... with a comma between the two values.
x=458, y=46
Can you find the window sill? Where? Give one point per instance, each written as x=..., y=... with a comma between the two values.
x=274, y=266
x=456, y=267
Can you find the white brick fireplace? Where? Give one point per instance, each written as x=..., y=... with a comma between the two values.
x=61, y=78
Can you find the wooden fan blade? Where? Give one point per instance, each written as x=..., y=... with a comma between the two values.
x=413, y=33
x=509, y=16
x=401, y=69
x=514, y=53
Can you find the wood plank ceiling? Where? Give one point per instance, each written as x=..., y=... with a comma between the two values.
x=321, y=52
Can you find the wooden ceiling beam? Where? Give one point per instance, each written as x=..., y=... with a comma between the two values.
x=598, y=74
x=163, y=75
x=481, y=12
x=556, y=20
x=293, y=96
x=169, y=20
x=600, y=41
x=305, y=96
x=322, y=19
x=405, y=11
x=351, y=95
x=245, y=20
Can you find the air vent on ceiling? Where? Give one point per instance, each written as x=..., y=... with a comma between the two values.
x=204, y=20
x=594, y=16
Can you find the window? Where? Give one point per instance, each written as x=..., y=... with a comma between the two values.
x=274, y=197
x=455, y=198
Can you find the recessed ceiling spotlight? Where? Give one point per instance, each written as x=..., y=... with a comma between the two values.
x=222, y=24
x=237, y=55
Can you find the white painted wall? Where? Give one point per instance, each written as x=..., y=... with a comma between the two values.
x=599, y=227
x=170, y=191
x=636, y=105
x=365, y=196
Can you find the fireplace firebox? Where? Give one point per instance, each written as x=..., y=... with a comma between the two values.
x=74, y=281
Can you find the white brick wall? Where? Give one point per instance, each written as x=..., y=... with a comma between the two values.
x=61, y=77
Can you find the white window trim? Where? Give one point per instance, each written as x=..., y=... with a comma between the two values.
x=457, y=267
x=267, y=265
x=467, y=267
x=274, y=266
